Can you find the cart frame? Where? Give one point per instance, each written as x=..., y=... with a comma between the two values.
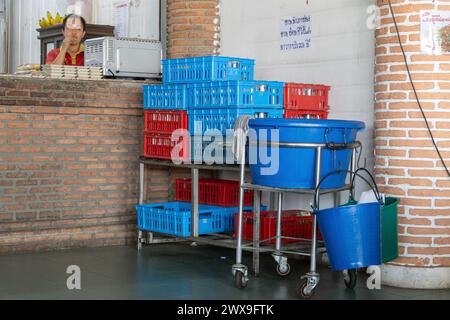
x=309, y=281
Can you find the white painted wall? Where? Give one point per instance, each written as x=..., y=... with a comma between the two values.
x=3, y=37
x=25, y=47
x=144, y=17
x=342, y=54
x=25, y=14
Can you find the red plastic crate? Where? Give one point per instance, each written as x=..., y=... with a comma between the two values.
x=160, y=146
x=305, y=114
x=165, y=121
x=294, y=224
x=213, y=192
x=306, y=97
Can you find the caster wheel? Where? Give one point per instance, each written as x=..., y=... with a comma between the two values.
x=302, y=290
x=283, y=270
x=240, y=280
x=350, y=279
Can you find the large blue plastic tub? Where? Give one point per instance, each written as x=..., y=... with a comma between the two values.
x=296, y=167
x=352, y=235
x=222, y=119
x=224, y=94
x=212, y=68
x=165, y=97
x=174, y=218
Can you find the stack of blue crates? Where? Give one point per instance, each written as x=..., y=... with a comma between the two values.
x=215, y=91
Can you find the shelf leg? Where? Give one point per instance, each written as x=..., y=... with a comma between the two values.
x=353, y=169
x=314, y=236
x=279, y=215
x=239, y=269
x=194, y=218
x=141, y=183
x=139, y=241
x=256, y=231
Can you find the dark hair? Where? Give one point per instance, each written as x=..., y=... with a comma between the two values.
x=72, y=15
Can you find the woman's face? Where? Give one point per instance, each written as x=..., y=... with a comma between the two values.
x=74, y=31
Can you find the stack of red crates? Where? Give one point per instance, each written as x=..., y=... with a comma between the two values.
x=159, y=128
x=214, y=192
x=306, y=101
x=294, y=224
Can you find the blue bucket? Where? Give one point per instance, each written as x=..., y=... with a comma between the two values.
x=352, y=235
x=296, y=166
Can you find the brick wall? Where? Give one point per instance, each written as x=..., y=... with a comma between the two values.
x=407, y=165
x=68, y=163
x=193, y=28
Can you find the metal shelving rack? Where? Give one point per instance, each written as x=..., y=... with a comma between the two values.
x=195, y=170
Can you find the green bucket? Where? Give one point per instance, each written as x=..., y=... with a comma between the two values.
x=389, y=230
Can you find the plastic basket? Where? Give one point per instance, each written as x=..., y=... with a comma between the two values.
x=165, y=97
x=294, y=224
x=305, y=114
x=306, y=96
x=389, y=230
x=223, y=119
x=165, y=121
x=174, y=218
x=213, y=68
x=213, y=192
x=223, y=94
x=159, y=146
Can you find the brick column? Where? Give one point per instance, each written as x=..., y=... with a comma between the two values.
x=407, y=165
x=193, y=28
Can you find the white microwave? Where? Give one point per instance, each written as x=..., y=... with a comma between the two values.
x=124, y=57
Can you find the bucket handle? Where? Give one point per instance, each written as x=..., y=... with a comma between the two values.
x=372, y=185
x=334, y=145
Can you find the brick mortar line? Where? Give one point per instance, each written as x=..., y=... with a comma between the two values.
x=124, y=219
x=130, y=107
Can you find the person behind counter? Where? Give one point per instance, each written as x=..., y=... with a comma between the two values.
x=72, y=50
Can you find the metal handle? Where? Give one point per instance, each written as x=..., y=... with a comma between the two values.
x=234, y=64
x=262, y=87
x=334, y=145
x=261, y=115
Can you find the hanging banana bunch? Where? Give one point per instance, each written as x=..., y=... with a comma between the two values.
x=49, y=20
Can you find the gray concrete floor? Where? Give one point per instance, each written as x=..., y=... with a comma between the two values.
x=171, y=272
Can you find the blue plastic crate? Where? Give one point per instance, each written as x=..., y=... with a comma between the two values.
x=165, y=97
x=245, y=94
x=202, y=120
x=213, y=68
x=174, y=218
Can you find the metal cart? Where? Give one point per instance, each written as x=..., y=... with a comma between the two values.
x=309, y=282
